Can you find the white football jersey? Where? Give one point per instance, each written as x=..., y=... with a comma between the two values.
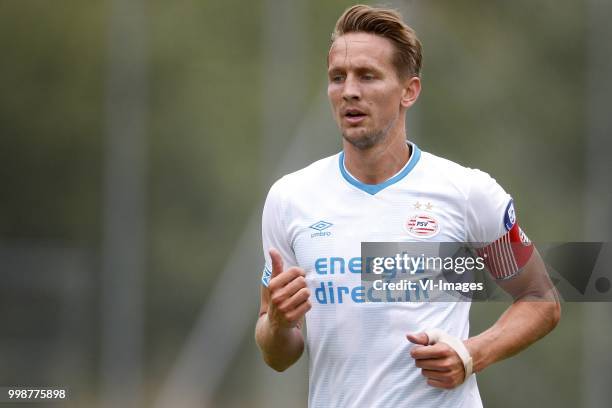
x=318, y=217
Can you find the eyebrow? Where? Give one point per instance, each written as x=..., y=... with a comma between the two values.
x=359, y=68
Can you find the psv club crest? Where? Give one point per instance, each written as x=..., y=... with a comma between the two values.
x=422, y=225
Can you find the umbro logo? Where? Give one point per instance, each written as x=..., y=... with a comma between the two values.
x=320, y=227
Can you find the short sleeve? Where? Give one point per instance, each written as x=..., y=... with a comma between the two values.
x=273, y=231
x=490, y=210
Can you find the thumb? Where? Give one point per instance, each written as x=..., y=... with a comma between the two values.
x=418, y=338
x=277, y=262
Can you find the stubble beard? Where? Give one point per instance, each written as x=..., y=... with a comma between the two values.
x=371, y=139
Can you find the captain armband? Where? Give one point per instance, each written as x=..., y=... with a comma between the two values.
x=506, y=256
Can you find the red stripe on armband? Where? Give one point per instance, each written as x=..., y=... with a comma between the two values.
x=505, y=257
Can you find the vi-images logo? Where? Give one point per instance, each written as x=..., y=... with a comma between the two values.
x=320, y=227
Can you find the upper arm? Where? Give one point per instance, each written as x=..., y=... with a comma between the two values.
x=531, y=282
x=493, y=224
x=488, y=209
x=274, y=235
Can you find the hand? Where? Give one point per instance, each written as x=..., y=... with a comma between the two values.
x=288, y=294
x=439, y=363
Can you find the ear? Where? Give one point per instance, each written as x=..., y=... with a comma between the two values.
x=410, y=91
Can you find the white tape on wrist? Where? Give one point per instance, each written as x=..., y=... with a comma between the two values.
x=440, y=336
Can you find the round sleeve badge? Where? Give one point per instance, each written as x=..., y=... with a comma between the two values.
x=509, y=216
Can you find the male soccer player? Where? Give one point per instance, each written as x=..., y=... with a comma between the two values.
x=380, y=188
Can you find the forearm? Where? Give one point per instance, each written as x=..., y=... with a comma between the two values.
x=280, y=347
x=522, y=324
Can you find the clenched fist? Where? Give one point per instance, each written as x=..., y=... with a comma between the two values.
x=289, y=295
x=439, y=363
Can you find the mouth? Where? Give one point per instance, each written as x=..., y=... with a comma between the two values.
x=353, y=115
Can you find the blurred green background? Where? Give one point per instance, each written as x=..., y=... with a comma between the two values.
x=162, y=125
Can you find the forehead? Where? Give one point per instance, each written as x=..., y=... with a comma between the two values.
x=356, y=49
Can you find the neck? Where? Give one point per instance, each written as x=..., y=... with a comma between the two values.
x=378, y=163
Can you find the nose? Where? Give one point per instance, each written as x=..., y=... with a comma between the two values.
x=350, y=90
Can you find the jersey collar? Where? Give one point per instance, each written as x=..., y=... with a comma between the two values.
x=375, y=188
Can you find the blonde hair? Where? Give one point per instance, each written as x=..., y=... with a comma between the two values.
x=386, y=23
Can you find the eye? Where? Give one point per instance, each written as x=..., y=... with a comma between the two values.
x=337, y=78
x=368, y=77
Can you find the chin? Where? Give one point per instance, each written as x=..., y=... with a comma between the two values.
x=361, y=138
